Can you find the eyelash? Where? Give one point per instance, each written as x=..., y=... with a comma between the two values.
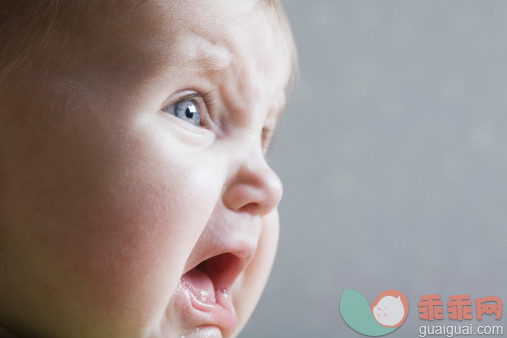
x=268, y=140
x=207, y=99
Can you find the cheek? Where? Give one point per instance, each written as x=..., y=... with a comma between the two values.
x=118, y=239
x=153, y=216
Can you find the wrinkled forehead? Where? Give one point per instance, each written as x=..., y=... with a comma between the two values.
x=218, y=36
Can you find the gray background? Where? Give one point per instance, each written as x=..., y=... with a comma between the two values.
x=392, y=153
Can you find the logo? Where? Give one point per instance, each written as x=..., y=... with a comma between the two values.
x=387, y=312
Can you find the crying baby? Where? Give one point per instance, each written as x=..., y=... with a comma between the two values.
x=135, y=195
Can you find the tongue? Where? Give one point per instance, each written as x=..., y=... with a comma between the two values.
x=200, y=285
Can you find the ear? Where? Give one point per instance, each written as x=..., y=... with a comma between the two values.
x=398, y=298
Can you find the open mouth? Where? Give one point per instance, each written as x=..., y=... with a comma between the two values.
x=205, y=290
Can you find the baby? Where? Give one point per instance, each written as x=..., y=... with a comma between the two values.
x=135, y=197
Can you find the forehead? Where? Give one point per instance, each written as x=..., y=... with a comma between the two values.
x=242, y=37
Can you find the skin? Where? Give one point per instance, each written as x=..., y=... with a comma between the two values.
x=106, y=199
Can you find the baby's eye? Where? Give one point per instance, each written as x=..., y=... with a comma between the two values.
x=187, y=109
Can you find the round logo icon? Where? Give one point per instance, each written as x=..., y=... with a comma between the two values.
x=387, y=312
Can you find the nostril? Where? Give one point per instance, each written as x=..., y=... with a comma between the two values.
x=251, y=208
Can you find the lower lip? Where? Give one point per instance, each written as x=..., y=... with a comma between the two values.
x=204, y=315
x=204, y=332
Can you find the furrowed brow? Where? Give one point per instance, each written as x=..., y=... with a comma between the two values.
x=206, y=54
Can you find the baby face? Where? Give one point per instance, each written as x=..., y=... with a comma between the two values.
x=389, y=311
x=136, y=200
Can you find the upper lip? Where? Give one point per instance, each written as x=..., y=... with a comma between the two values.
x=225, y=247
x=224, y=267
x=221, y=254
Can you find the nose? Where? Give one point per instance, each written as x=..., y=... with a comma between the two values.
x=254, y=188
